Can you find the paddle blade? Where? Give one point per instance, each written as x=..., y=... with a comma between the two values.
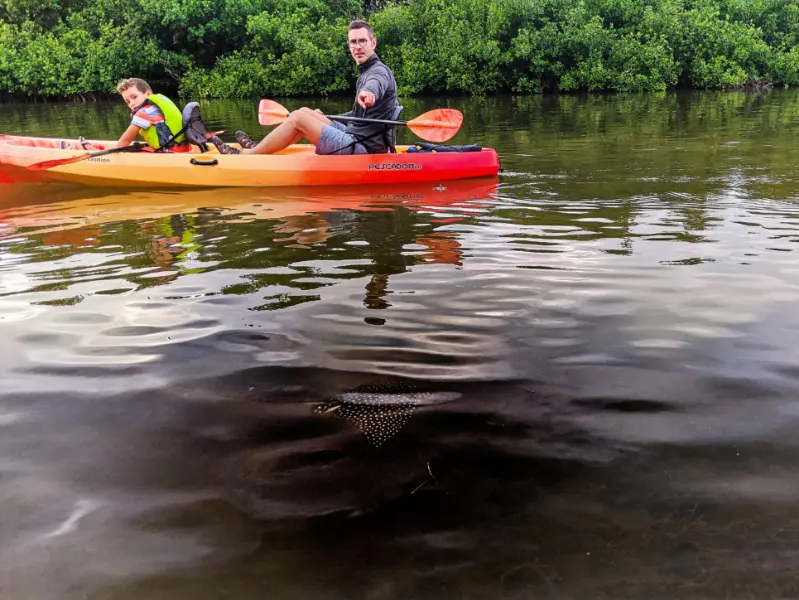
x=271, y=113
x=437, y=125
x=49, y=164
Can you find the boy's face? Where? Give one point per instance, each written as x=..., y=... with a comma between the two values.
x=134, y=98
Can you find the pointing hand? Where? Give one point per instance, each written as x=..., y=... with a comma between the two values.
x=366, y=99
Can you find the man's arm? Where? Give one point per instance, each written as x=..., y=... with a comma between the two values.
x=376, y=84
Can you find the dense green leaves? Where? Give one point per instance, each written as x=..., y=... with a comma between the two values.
x=250, y=48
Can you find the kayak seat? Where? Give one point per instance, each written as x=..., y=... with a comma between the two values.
x=391, y=134
x=193, y=126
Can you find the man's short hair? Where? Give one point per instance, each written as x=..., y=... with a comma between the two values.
x=139, y=84
x=358, y=24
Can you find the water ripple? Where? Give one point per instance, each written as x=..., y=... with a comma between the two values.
x=219, y=387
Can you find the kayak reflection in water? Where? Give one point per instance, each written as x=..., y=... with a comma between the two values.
x=375, y=98
x=174, y=239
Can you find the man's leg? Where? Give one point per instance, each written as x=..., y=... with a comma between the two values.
x=302, y=123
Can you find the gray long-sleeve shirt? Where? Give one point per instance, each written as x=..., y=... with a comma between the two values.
x=377, y=78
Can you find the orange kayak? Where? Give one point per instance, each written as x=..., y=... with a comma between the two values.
x=297, y=165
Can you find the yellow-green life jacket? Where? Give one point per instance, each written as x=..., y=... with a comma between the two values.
x=173, y=118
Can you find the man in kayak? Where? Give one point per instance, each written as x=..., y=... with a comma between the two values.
x=154, y=116
x=375, y=98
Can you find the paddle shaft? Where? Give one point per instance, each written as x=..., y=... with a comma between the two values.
x=113, y=150
x=135, y=147
x=344, y=119
x=437, y=125
x=49, y=164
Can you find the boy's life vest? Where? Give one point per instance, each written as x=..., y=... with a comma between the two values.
x=162, y=135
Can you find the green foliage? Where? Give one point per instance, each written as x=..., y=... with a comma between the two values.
x=251, y=48
x=295, y=47
x=44, y=12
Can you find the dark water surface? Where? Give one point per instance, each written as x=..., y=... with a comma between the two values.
x=578, y=381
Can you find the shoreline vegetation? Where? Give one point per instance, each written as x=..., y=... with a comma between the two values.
x=80, y=49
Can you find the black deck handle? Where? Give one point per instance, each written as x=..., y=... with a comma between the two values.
x=201, y=163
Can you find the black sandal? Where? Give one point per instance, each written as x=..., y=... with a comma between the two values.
x=244, y=140
x=223, y=147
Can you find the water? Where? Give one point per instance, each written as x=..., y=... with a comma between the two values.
x=577, y=381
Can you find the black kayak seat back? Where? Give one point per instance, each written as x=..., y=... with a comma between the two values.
x=392, y=131
x=193, y=126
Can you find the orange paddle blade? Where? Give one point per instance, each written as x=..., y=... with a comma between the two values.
x=49, y=164
x=271, y=112
x=437, y=125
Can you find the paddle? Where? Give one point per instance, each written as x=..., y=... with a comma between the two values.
x=438, y=125
x=49, y=164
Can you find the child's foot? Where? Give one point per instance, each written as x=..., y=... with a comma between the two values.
x=244, y=140
x=85, y=143
x=223, y=147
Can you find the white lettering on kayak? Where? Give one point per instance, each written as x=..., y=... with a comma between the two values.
x=395, y=167
x=398, y=196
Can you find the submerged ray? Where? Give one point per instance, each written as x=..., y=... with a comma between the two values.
x=381, y=411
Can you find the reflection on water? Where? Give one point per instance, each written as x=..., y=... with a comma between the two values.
x=575, y=382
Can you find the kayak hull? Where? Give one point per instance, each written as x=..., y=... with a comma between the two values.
x=297, y=165
x=43, y=208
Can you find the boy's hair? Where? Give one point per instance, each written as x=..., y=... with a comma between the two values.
x=139, y=84
x=362, y=25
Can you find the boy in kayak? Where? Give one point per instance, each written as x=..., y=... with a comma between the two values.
x=375, y=98
x=154, y=116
